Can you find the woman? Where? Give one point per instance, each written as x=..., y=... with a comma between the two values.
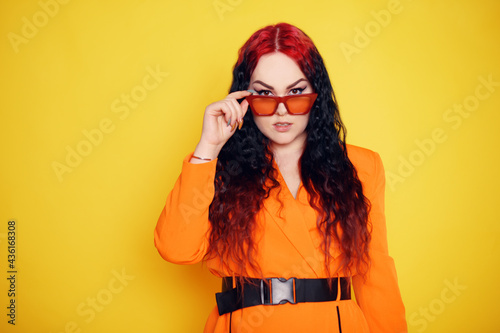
x=280, y=207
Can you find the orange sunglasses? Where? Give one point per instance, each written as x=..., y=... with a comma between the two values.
x=294, y=104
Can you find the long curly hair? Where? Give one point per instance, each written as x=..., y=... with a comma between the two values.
x=245, y=174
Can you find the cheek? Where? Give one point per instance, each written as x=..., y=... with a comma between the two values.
x=304, y=120
x=262, y=122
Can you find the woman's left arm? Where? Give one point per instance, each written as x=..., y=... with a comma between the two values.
x=378, y=294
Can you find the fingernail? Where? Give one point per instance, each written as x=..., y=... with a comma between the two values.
x=233, y=127
x=240, y=125
x=252, y=91
x=229, y=122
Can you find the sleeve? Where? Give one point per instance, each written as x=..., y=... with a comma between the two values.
x=181, y=233
x=378, y=295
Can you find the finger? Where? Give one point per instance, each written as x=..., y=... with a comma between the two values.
x=237, y=110
x=232, y=122
x=232, y=112
x=244, y=107
x=227, y=112
x=239, y=94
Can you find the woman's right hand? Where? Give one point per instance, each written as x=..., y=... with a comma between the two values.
x=220, y=121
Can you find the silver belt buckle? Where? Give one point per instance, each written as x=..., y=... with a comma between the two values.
x=282, y=291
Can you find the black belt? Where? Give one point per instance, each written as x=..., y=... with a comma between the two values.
x=273, y=291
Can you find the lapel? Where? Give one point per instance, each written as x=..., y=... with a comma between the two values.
x=295, y=223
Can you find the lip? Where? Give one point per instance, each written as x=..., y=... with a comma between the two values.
x=282, y=126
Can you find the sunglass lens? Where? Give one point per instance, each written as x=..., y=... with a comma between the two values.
x=263, y=106
x=299, y=104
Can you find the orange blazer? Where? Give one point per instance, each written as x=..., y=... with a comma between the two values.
x=289, y=245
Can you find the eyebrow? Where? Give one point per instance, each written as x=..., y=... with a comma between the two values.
x=272, y=88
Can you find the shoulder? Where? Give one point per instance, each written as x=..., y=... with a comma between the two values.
x=363, y=159
x=368, y=165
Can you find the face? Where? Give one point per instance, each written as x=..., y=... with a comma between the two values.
x=276, y=74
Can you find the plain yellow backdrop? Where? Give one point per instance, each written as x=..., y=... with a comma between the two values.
x=101, y=100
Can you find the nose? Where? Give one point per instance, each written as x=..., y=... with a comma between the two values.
x=281, y=111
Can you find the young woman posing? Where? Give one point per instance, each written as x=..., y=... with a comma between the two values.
x=280, y=207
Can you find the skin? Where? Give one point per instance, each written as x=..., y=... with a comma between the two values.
x=275, y=74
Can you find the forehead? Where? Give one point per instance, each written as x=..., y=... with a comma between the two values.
x=276, y=69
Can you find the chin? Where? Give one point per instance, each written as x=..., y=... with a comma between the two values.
x=284, y=140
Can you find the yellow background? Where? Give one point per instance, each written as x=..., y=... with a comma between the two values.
x=77, y=231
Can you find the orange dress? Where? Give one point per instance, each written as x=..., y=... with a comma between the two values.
x=289, y=245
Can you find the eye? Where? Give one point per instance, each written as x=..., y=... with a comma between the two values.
x=296, y=91
x=264, y=92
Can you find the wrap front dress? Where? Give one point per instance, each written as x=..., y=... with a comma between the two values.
x=289, y=245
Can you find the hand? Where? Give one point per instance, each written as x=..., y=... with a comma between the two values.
x=220, y=121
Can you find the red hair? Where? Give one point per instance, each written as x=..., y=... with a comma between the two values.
x=282, y=37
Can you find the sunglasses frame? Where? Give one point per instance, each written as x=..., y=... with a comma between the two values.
x=281, y=99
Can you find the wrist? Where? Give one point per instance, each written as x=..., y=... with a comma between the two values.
x=205, y=152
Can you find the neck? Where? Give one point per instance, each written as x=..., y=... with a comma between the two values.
x=289, y=152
